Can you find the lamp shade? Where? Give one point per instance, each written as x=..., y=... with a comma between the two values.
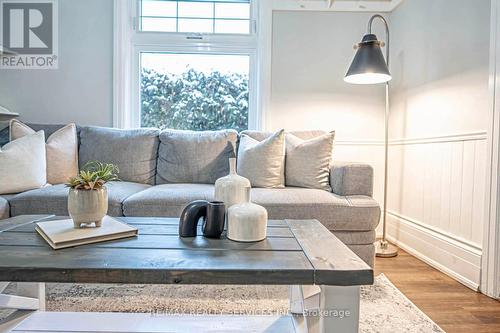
x=369, y=65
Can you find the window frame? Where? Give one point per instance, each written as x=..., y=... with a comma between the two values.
x=130, y=42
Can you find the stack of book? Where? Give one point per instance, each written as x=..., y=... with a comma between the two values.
x=61, y=234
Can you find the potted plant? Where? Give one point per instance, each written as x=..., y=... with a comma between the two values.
x=88, y=197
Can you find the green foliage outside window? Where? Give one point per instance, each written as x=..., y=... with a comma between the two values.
x=194, y=100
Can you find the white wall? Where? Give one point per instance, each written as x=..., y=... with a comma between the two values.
x=311, y=53
x=81, y=89
x=439, y=114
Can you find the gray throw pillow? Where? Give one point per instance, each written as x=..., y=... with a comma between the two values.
x=134, y=151
x=308, y=162
x=263, y=162
x=194, y=157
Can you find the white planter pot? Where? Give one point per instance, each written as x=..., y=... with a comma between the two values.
x=231, y=189
x=87, y=206
x=247, y=222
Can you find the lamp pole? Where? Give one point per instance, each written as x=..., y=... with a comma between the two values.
x=383, y=248
x=370, y=67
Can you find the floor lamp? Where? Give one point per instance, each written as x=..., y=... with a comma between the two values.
x=370, y=67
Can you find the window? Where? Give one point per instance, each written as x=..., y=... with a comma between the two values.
x=194, y=91
x=193, y=66
x=202, y=16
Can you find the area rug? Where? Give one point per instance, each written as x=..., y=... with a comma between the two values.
x=383, y=307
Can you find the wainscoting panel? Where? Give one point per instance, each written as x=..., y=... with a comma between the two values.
x=436, y=201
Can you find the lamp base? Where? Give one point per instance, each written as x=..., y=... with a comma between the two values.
x=385, y=250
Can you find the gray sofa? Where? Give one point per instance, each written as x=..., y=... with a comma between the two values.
x=349, y=211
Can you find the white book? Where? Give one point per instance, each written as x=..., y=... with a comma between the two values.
x=61, y=234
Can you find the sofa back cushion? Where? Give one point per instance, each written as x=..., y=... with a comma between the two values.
x=194, y=157
x=134, y=151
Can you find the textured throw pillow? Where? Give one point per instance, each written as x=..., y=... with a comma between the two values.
x=308, y=161
x=263, y=162
x=134, y=151
x=61, y=149
x=194, y=157
x=22, y=164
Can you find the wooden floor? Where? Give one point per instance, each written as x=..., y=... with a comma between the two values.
x=454, y=307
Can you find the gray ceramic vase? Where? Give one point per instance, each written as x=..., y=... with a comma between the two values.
x=87, y=206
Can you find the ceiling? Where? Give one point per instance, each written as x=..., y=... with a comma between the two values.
x=339, y=5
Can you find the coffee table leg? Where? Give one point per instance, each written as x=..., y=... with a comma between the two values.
x=339, y=309
x=29, y=296
x=328, y=309
x=303, y=297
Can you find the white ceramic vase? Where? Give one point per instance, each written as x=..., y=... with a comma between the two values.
x=87, y=206
x=247, y=222
x=231, y=188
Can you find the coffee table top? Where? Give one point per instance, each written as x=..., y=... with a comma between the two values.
x=295, y=252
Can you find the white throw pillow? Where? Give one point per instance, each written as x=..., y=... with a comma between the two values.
x=22, y=164
x=308, y=162
x=263, y=162
x=61, y=149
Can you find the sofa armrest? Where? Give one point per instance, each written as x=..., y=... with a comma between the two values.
x=351, y=179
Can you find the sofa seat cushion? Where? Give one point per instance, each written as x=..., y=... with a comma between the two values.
x=167, y=200
x=354, y=213
x=351, y=213
x=54, y=199
x=4, y=208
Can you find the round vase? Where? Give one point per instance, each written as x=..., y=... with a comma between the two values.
x=87, y=206
x=231, y=188
x=247, y=222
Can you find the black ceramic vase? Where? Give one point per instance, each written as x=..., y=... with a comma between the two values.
x=190, y=217
x=213, y=223
x=213, y=214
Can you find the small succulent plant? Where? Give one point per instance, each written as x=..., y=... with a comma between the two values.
x=93, y=176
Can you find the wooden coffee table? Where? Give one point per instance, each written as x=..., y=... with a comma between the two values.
x=323, y=274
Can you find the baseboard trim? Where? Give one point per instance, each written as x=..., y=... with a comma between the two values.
x=458, y=260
